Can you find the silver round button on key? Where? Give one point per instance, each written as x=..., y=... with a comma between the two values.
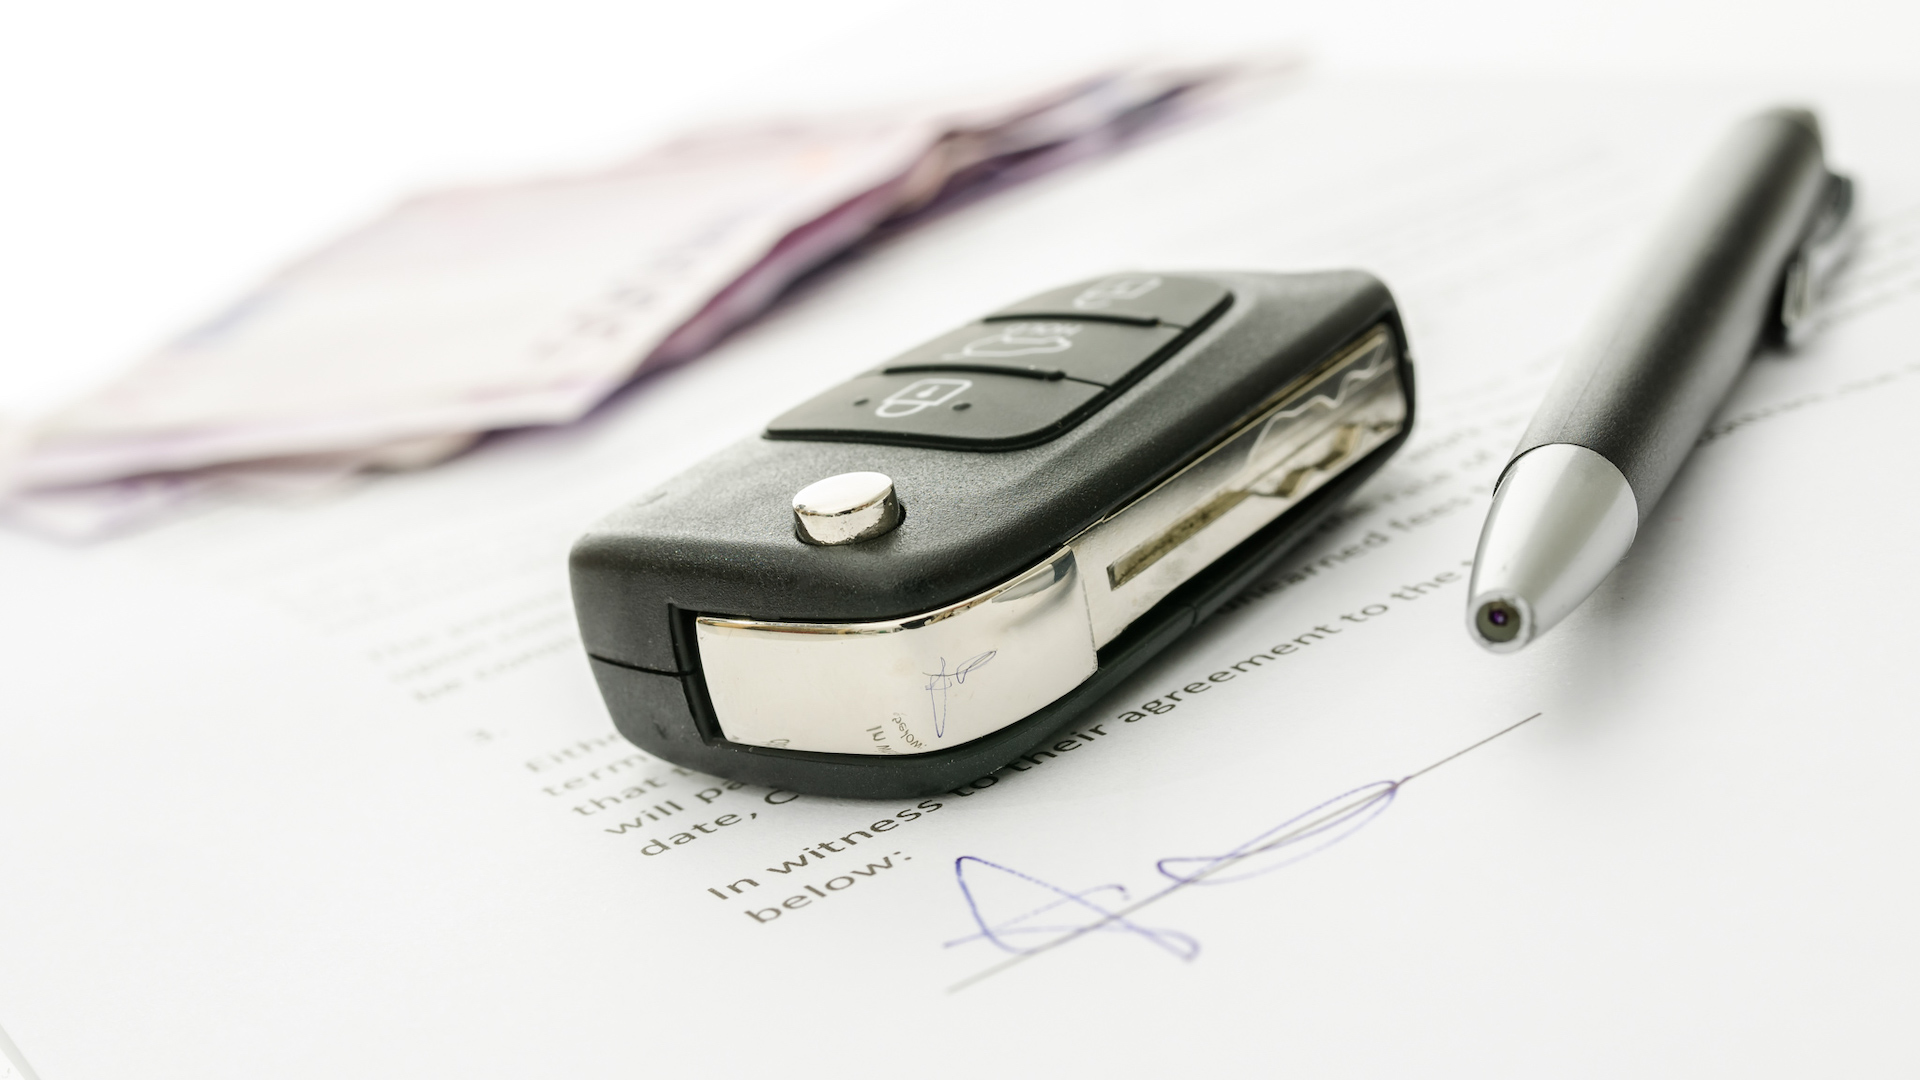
x=846, y=509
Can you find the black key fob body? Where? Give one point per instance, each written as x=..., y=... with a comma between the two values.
x=920, y=574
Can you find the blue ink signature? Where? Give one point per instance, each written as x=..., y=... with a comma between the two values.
x=1067, y=913
x=940, y=682
x=1050, y=916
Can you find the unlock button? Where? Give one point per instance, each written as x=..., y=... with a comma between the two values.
x=1093, y=352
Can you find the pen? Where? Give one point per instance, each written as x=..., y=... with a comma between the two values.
x=1740, y=258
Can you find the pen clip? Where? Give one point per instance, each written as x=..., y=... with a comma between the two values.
x=1829, y=239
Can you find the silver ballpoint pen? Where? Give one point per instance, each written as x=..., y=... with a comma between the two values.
x=1739, y=260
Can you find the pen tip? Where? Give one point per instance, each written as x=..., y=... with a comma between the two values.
x=1562, y=516
x=1498, y=621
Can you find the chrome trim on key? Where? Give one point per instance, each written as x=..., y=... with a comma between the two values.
x=903, y=686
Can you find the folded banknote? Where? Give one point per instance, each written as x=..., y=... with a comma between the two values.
x=469, y=310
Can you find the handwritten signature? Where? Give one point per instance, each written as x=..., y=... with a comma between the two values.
x=942, y=681
x=1049, y=916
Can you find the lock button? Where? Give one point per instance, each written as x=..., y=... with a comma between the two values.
x=968, y=409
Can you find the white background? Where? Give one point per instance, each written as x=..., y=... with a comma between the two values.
x=1701, y=857
x=160, y=158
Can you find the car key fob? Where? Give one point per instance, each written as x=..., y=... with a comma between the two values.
x=922, y=573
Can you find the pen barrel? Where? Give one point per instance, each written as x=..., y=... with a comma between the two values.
x=1648, y=375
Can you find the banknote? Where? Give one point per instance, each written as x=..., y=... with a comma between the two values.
x=467, y=310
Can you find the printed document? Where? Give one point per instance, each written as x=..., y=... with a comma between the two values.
x=326, y=789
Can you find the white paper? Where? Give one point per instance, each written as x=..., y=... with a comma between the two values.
x=327, y=790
